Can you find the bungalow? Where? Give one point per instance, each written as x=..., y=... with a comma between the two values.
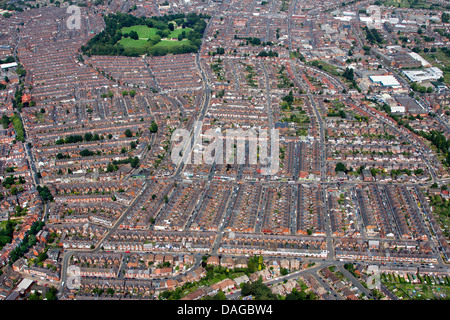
x=265, y=274
x=223, y=285
x=241, y=279
x=196, y=295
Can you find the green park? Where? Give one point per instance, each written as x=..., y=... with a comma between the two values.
x=127, y=35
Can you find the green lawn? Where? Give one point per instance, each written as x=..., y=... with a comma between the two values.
x=171, y=43
x=176, y=32
x=131, y=43
x=143, y=32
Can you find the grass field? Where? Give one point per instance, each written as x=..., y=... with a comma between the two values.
x=171, y=43
x=143, y=32
x=131, y=43
x=176, y=32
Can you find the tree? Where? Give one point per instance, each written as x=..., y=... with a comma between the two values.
x=128, y=133
x=18, y=127
x=340, y=167
x=153, y=127
x=219, y=296
x=259, y=290
x=300, y=295
x=21, y=71
x=88, y=136
x=289, y=98
x=86, y=153
x=348, y=74
x=51, y=294
x=35, y=296
x=45, y=194
x=133, y=35
x=154, y=39
x=134, y=163
x=5, y=121
x=42, y=255
x=110, y=167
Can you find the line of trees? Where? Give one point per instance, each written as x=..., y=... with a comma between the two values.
x=17, y=124
x=79, y=138
x=45, y=193
x=259, y=290
x=269, y=53
x=6, y=233
x=373, y=36
x=28, y=241
x=114, y=165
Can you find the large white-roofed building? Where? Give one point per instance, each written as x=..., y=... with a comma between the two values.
x=386, y=81
x=422, y=75
x=8, y=65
